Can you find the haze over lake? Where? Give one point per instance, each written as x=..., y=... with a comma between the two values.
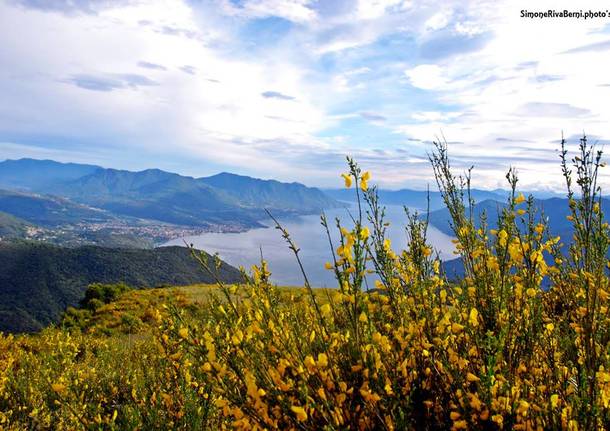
x=243, y=249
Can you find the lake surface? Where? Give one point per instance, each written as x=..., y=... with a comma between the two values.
x=244, y=249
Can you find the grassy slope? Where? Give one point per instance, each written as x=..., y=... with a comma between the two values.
x=133, y=311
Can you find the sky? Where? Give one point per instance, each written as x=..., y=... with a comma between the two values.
x=286, y=89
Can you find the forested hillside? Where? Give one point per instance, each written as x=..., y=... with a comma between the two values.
x=38, y=281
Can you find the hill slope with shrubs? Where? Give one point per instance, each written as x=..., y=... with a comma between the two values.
x=38, y=281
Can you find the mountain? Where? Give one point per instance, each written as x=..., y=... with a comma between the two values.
x=31, y=174
x=38, y=281
x=158, y=195
x=153, y=194
x=538, y=194
x=556, y=209
x=414, y=198
x=271, y=194
x=48, y=210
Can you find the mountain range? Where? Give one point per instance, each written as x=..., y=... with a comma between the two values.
x=418, y=199
x=49, y=194
x=554, y=210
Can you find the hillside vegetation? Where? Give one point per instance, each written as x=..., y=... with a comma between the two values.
x=491, y=350
x=48, y=210
x=38, y=281
x=12, y=227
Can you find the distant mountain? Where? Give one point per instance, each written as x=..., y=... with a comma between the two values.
x=538, y=194
x=38, y=281
x=270, y=194
x=556, y=209
x=158, y=195
x=31, y=174
x=417, y=199
x=228, y=199
x=48, y=210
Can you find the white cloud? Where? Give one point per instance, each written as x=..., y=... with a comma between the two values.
x=427, y=76
x=371, y=9
x=434, y=116
x=294, y=10
x=438, y=21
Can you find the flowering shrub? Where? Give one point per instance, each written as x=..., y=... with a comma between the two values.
x=490, y=350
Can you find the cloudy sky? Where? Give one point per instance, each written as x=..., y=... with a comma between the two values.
x=286, y=88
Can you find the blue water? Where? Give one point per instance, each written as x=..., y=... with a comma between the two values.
x=244, y=249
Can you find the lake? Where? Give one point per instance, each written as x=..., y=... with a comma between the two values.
x=244, y=249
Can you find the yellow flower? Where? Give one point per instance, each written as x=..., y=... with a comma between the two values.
x=472, y=378
x=364, y=233
x=364, y=179
x=322, y=360
x=554, y=400
x=328, y=265
x=387, y=244
x=520, y=212
x=474, y=317
x=237, y=337
x=58, y=388
x=499, y=419
x=183, y=332
x=300, y=413
x=348, y=180
x=456, y=328
x=502, y=237
x=310, y=363
x=363, y=318
x=325, y=309
x=460, y=425
x=443, y=295
x=519, y=199
x=523, y=407
x=321, y=393
x=531, y=292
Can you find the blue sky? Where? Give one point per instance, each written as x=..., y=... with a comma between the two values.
x=286, y=88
